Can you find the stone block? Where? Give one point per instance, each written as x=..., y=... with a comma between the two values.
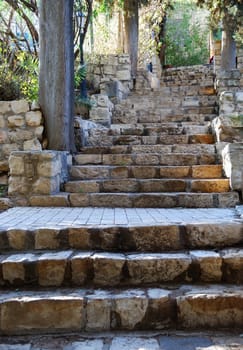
x=211, y=308
x=129, y=309
x=98, y=311
x=88, y=344
x=47, y=238
x=79, y=238
x=39, y=132
x=233, y=265
x=18, y=185
x=108, y=268
x=33, y=118
x=7, y=149
x=82, y=186
x=45, y=186
x=32, y=145
x=19, y=239
x=214, y=235
x=48, y=168
x=79, y=199
x=20, y=106
x=16, y=165
x=82, y=268
x=100, y=113
x=239, y=96
x=51, y=268
x=210, y=185
x=147, y=268
x=155, y=238
x=2, y=121
x=233, y=164
x=210, y=264
x=109, y=70
x=5, y=107
x=122, y=185
x=3, y=136
x=161, y=309
x=207, y=171
x=123, y=75
x=42, y=313
x=54, y=200
x=175, y=172
x=13, y=268
x=20, y=135
x=16, y=121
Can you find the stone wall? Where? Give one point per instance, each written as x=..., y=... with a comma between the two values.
x=111, y=75
x=37, y=173
x=228, y=126
x=21, y=129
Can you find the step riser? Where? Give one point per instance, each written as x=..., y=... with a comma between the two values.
x=145, y=159
x=159, y=238
x=134, y=200
x=153, y=140
x=156, y=117
x=153, y=309
x=147, y=186
x=145, y=172
x=69, y=268
x=153, y=200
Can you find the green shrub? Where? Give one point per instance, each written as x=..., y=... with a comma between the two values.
x=19, y=79
x=186, y=36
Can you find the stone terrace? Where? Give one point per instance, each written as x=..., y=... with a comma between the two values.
x=158, y=152
x=128, y=254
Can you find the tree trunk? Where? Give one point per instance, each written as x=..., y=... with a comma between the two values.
x=131, y=33
x=228, y=52
x=56, y=83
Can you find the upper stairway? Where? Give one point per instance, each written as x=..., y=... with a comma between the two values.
x=159, y=150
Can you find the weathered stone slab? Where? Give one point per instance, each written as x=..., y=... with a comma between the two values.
x=214, y=235
x=134, y=343
x=155, y=268
x=210, y=264
x=41, y=314
x=52, y=267
x=108, y=268
x=211, y=308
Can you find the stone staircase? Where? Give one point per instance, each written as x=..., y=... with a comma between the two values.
x=158, y=152
x=114, y=269
x=61, y=276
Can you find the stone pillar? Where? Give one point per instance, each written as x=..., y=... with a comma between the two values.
x=56, y=84
x=232, y=156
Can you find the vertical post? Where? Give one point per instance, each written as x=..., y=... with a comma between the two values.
x=56, y=83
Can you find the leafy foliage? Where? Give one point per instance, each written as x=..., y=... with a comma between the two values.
x=230, y=12
x=186, y=37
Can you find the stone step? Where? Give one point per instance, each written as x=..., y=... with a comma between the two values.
x=79, y=268
x=155, y=129
x=211, y=232
x=134, y=185
x=86, y=172
x=135, y=149
x=146, y=159
x=169, y=115
x=148, y=200
x=162, y=139
x=72, y=310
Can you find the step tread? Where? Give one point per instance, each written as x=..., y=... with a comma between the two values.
x=135, y=185
x=148, y=308
x=115, y=269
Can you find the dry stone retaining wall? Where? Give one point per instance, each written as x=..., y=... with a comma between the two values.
x=21, y=129
x=37, y=173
